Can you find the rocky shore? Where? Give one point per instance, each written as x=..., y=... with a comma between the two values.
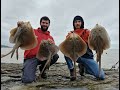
x=58, y=79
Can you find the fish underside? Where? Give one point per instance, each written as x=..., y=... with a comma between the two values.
x=73, y=47
x=99, y=41
x=23, y=37
x=46, y=52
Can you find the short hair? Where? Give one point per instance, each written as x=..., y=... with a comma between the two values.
x=44, y=18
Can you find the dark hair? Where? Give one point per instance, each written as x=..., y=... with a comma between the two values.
x=44, y=18
x=78, y=18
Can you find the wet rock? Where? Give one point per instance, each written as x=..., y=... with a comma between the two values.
x=58, y=77
x=14, y=76
x=5, y=79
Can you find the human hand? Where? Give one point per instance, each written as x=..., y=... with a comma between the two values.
x=50, y=40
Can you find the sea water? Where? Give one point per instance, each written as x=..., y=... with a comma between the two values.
x=109, y=57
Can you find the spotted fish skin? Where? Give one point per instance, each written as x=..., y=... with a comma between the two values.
x=73, y=47
x=46, y=52
x=99, y=41
x=22, y=36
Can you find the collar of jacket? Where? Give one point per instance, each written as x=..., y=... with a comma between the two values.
x=40, y=31
x=79, y=30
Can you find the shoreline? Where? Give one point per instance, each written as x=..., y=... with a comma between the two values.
x=58, y=77
x=108, y=59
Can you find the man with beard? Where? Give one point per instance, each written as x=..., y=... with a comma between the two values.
x=30, y=60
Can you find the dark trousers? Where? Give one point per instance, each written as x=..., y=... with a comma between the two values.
x=30, y=67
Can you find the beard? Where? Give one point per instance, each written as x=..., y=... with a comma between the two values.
x=43, y=28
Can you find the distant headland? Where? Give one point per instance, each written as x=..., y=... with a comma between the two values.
x=5, y=46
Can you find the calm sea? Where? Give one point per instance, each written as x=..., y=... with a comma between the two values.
x=109, y=57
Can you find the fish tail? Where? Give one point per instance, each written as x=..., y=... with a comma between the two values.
x=15, y=48
x=17, y=53
x=47, y=64
x=99, y=53
x=99, y=60
x=6, y=54
x=75, y=67
x=12, y=51
x=12, y=54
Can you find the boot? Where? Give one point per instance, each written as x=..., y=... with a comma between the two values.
x=43, y=75
x=81, y=69
x=72, y=75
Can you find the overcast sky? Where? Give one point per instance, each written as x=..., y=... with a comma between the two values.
x=61, y=14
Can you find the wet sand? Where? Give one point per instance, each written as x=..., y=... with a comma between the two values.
x=58, y=79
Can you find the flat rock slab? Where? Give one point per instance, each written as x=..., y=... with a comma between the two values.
x=58, y=79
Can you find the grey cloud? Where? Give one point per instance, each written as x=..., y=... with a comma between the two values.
x=61, y=14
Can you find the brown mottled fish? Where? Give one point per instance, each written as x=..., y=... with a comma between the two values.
x=98, y=40
x=46, y=52
x=22, y=36
x=73, y=47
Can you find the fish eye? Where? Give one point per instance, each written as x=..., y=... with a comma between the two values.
x=70, y=38
x=76, y=38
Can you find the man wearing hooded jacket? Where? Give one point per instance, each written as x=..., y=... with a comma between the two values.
x=86, y=63
x=30, y=60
